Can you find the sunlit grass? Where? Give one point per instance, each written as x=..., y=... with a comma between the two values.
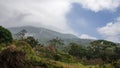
x=74, y=65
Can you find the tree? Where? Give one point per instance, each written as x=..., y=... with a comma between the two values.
x=77, y=50
x=103, y=49
x=21, y=34
x=117, y=51
x=32, y=41
x=102, y=44
x=5, y=35
x=56, y=42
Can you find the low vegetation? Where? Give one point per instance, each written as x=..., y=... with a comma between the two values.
x=29, y=53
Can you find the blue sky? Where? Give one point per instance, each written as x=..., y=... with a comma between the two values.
x=87, y=19
x=92, y=20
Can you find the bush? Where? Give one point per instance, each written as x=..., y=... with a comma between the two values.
x=57, y=57
x=5, y=35
x=25, y=47
x=12, y=58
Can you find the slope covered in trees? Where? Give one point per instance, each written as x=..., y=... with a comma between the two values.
x=27, y=52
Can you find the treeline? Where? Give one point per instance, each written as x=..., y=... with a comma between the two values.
x=26, y=52
x=101, y=50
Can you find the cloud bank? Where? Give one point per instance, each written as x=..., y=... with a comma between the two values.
x=111, y=31
x=41, y=13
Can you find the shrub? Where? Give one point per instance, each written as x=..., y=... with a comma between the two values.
x=12, y=58
x=57, y=57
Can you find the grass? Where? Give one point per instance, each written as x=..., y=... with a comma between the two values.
x=76, y=65
x=73, y=65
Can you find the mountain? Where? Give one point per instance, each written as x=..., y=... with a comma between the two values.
x=44, y=35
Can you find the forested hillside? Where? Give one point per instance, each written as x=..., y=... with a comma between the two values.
x=28, y=52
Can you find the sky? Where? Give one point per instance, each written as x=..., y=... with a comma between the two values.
x=87, y=19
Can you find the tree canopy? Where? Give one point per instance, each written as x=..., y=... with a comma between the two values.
x=56, y=42
x=5, y=35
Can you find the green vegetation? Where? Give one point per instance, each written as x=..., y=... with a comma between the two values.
x=5, y=35
x=29, y=53
x=12, y=58
x=31, y=41
x=56, y=42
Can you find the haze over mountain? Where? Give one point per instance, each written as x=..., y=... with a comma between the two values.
x=89, y=19
x=44, y=35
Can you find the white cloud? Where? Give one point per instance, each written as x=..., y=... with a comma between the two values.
x=99, y=5
x=49, y=14
x=85, y=36
x=111, y=31
x=45, y=13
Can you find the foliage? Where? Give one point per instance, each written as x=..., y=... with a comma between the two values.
x=27, y=53
x=56, y=42
x=104, y=49
x=49, y=52
x=101, y=51
x=5, y=35
x=25, y=47
x=76, y=50
x=2, y=47
x=32, y=41
x=12, y=58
